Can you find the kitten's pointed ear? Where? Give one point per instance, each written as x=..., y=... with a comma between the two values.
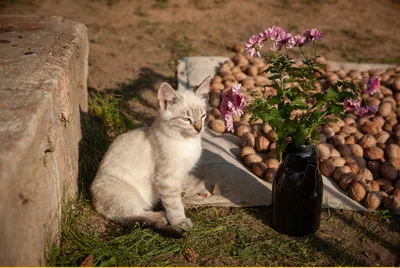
x=204, y=88
x=166, y=95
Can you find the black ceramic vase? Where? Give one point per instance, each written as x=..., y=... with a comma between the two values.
x=297, y=192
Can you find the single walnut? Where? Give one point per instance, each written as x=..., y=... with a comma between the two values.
x=367, y=141
x=337, y=175
x=388, y=171
x=396, y=193
x=337, y=140
x=364, y=175
x=385, y=109
x=382, y=137
x=265, y=128
x=338, y=161
x=348, y=130
x=251, y=159
x=360, y=161
x=247, y=140
x=372, y=200
x=334, y=152
x=379, y=121
x=328, y=131
x=369, y=127
x=357, y=191
x=335, y=127
x=374, y=153
x=323, y=151
x=327, y=168
x=270, y=175
x=240, y=130
x=259, y=169
x=356, y=150
x=271, y=135
x=246, y=151
x=392, y=151
x=262, y=144
x=272, y=163
x=322, y=138
x=357, y=136
x=349, y=121
x=218, y=125
x=344, y=150
x=346, y=180
x=392, y=203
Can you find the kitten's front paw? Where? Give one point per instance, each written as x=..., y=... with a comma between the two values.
x=186, y=224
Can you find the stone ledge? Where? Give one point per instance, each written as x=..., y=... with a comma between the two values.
x=43, y=98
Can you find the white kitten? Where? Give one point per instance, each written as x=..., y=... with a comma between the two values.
x=149, y=164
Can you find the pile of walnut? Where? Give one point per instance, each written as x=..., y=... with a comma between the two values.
x=361, y=154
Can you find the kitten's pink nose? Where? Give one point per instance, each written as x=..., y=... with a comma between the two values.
x=198, y=126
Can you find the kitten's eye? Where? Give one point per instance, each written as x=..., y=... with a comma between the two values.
x=186, y=119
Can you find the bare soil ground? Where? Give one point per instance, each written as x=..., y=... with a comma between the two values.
x=135, y=45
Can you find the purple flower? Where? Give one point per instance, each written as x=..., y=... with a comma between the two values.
x=373, y=85
x=351, y=105
x=312, y=34
x=254, y=45
x=367, y=111
x=229, y=122
x=299, y=40
x=272, y=33
x=285, y=39
x=233, y=102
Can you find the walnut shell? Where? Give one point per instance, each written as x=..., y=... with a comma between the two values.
x=371, y=186
x=271, y=135
x=383, y=182
x=272, y=163
x=356, y=150
x=367, y=141
x=385, y=109
x=335, y=127
x=262, y=144
x=369, y=127
x=388, y=171
x=357, y=191
x=387, y=189
x=337, y=175
x=217, y=87
x=338, y=140
x=334, y=152
x=215, y=99
x=240, y=130
x=265, y=128
x=328, y=131
x=251, y=159
x=392, y=203
x=327, y=168
x=247, y=140
x=374, y=153
x=322, y=138
x=348, y=130
x=323, y=151
x=344, y=150
x=372, y=200
x=270, y=175
x=338, y=161
x=379, y=121
x=218, y=125
x=259, y=169
x=392, y=151
x=397, y=184
x=346, y=180
x=382, y=137
x=350, y=140
x=215, y=112
x=364, y=175
x=246, y=151
x=396, y=193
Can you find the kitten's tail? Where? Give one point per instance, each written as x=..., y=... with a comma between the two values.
x=160, y=227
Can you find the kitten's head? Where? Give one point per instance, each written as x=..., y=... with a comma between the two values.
x=185, y=110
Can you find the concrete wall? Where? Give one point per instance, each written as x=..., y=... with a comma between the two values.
x=43, y=98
